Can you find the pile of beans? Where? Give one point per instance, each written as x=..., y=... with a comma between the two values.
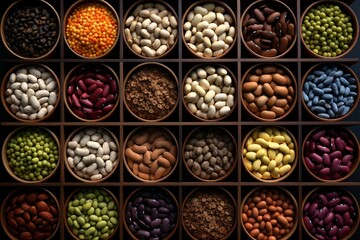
x=32, y=153
x=151, y=214
x=330, y=92
x=209, y=30
x=209, y=214
x=329, y=153
x=92, y=213
x=31, y=214
x=92, y=153
x=151, y=153
x=269, y=92
x=269, y=30
x=327, y=30
x=151, y=29
x=92, y=92
x=151, y=92
x=91, y=29
x=269, y=214
x=31, y=92
x=31, y=31
x=330, y=214
x=209, y=92
x=269, y=153
x=209, y=153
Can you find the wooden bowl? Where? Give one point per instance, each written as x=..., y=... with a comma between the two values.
x=74, y=71
x=245, y=78
x=234, y=152
x=20, y=191
x=347, y=10
x=65, y=155
x=290, y=196
x=352, y=109
x=355, y=160
x=234, y=84
x=356, y=206
x=139, y=68
x=3, y=90
x=71, y=10
x=165, y=132
x=138, y=190
x=69, y=229
x=6, y=161
x=282, y=6
x=293, y=164
x=210, y=189
x=21, y=3
x=129, y=13
x=228, y=10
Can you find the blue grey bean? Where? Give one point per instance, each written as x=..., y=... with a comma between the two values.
x=339, y=104
x=339, y=73
x=305, y=96
x=309, y=104
x=346, y=110
x=324, y=115
x=321, y=102
x=307, y=87
x=342, y=89
x=311, y=94
x=353, y=87
x=321, y=85
x=331, y=113
x=344, y=81
x=353, y=94
x=337, y=82
x=347, y=91
x=327, y=90
x=322, y=77
x=315, y=100
x=318, y=109
x=310, y=77
x=327, y=96
x=328, y=80
x=347, y=75
x=332, y=73
x=341, y=109
x=350, y=103
x=335, y=89
x=318, y=73
x=334, y=107
x=352, y=80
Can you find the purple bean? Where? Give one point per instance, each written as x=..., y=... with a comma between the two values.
x=343, y=232
x=162, y=203
x=325, y=141
x=346, y=218
x=143, y=233
x=154, y=238
x=155, y=232
x=336, y=154
x=319, y=237
x=316, y=157
x=321, y=231
x=137, y=201
x=323, y=199
x=134, y=214
x=332, y=203
x=329, y=217
x=163, y=210
x=156, y=223
x=339, y=144
x=313, y=208
x=153, y=213
x=322, y=213
x=309, y=163
x=327, y=161
x=165, y=225
x=147, y=219
x=335, y=165
x=344, y=169
x=333, y=230
x=325, y=171
x=318, y=135
x=153, y=203
x=339, y=220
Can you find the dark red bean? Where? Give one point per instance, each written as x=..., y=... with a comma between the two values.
x=259, y=15
x=95, y=96
x=85, y=95
x=350, y=149
x=344, y=169
x=339, y=220
x=346, y=159
x=80, y=77
x=347, y=200
x=318, y=135
x=339, y=144
x=106, y=90
x=307, y=206
x=335, y=165
x=319, y=237
x=89, y=75
x=341, y=208
x=322, y=213
x=79, y=113
x=87, y=102
x=79, y=92
x=100, y=103
x=92, y=88
x=108, y=108
x=325, y=171
x=321, y=231
x=88, y=110
x=313, y=208
x=332, y=203
x=322, y=149
x=336, y=154
x=323, y=199
x=324, y=141
x=101, y=77
x=70, y=90
x=309, y=163
x=327, y=161
x=316, y=157
x=82, y=86
x=75, y=101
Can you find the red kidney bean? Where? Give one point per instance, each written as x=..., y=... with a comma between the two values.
x=92, y=91
x=333, y=214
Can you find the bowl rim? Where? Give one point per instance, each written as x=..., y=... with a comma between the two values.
x=344, y=68
x=71, y=73
x=349, y=193
x=71, y=9
x=213, y=189
x=228, y=10
x=139, y=68
x=355, y=161
x=132, y=8
x=5, y=81
x=7, y=12
x=170, y=134
x=292, y=198
x=32, y=189
x=293, y=164
x=245, y=79
x=5, y=159
x=65, y=155
x=233, y=165
x=233, y=84
x=77, y=190
x=141, y=189
x=348, y=10
x=252, y=5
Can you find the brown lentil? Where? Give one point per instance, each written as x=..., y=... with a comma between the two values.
x=91, y=29
x=209, y=214
x=151, y=93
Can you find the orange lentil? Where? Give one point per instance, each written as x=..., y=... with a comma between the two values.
x=91, y=29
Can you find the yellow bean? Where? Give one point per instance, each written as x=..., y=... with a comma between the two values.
x=244, y=151
x=266, y=175
x=248, y=164
x=271, y=154
x=262, y=152
x=285, y=169
x=276, y=131
x=274, y=174
x=262, y=142
x=265, y=160
x=249, y=141
x=274, y=145
x=257, y=174
x=269, y=131
x=276, y=171
x=264, y=135
x=286, y=159
x=292, y=155
x=256, y=165
x=285, y=149
x=251, y=156
x=254, y=134
x=291, y=145
x=263, y=169
x=279, y=139
x=272, y=165
x=254, y=147
x=286, y=136
x=279, y=158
